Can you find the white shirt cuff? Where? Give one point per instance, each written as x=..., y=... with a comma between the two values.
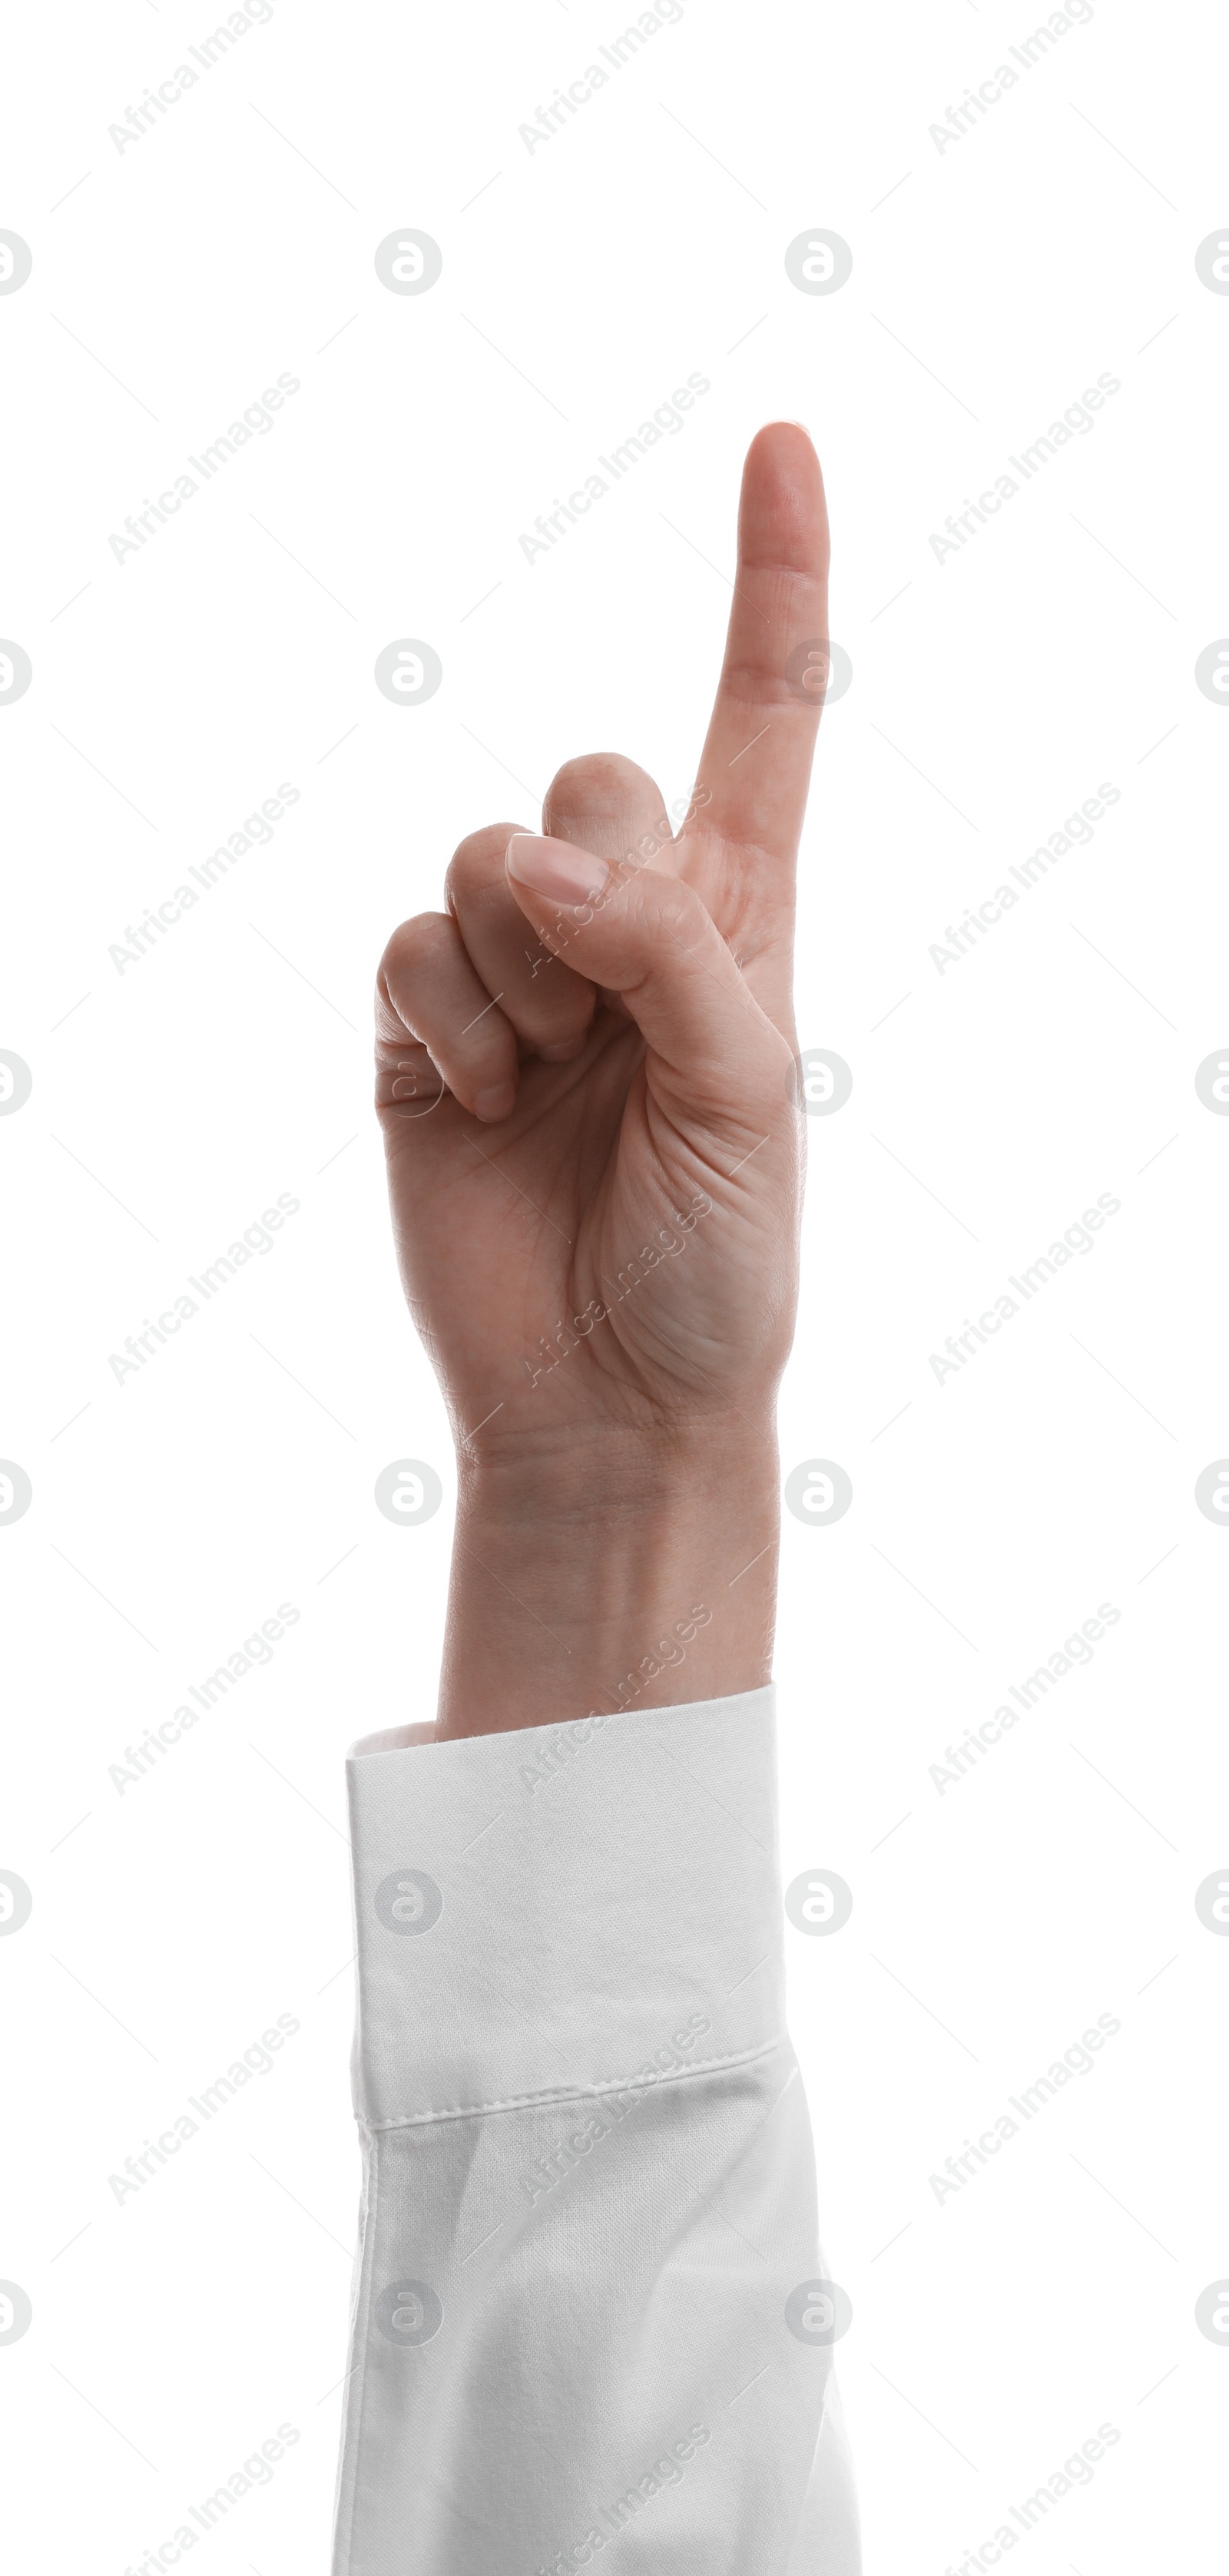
x=589, y=2188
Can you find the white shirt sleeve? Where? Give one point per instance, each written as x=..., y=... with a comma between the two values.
x=589, y=2308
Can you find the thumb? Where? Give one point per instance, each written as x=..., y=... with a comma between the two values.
x=717, y=1057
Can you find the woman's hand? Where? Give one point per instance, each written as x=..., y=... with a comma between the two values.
x=586, y=1079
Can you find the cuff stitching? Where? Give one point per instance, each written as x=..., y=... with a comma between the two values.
x=557, y=2096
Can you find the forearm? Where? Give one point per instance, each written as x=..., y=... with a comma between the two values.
x=636, y=1573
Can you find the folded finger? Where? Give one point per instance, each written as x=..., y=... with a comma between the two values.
x=547, y=1005
x=429, y=991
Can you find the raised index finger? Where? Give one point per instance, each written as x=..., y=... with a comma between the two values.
x=756, y=762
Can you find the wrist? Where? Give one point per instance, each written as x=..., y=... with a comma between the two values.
x=632, y=1571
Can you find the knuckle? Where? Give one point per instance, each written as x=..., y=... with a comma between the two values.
x=755, y=682
x=600, y=782
x=670, y=909
x=476, y=868
x=422, y=942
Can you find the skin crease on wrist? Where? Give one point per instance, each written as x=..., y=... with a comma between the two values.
x=586, y=1079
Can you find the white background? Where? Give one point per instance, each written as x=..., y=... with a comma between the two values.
x=993, y=1512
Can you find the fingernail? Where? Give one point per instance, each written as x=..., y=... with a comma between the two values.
x=496, y=1103
x=555, y=868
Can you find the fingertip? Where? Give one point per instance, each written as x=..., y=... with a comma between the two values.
x=786, y=421
x=780, y=441
x=783, y=515
x=495, y=1103
x=560, y=871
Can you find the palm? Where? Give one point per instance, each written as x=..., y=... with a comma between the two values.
x=615, y=1247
